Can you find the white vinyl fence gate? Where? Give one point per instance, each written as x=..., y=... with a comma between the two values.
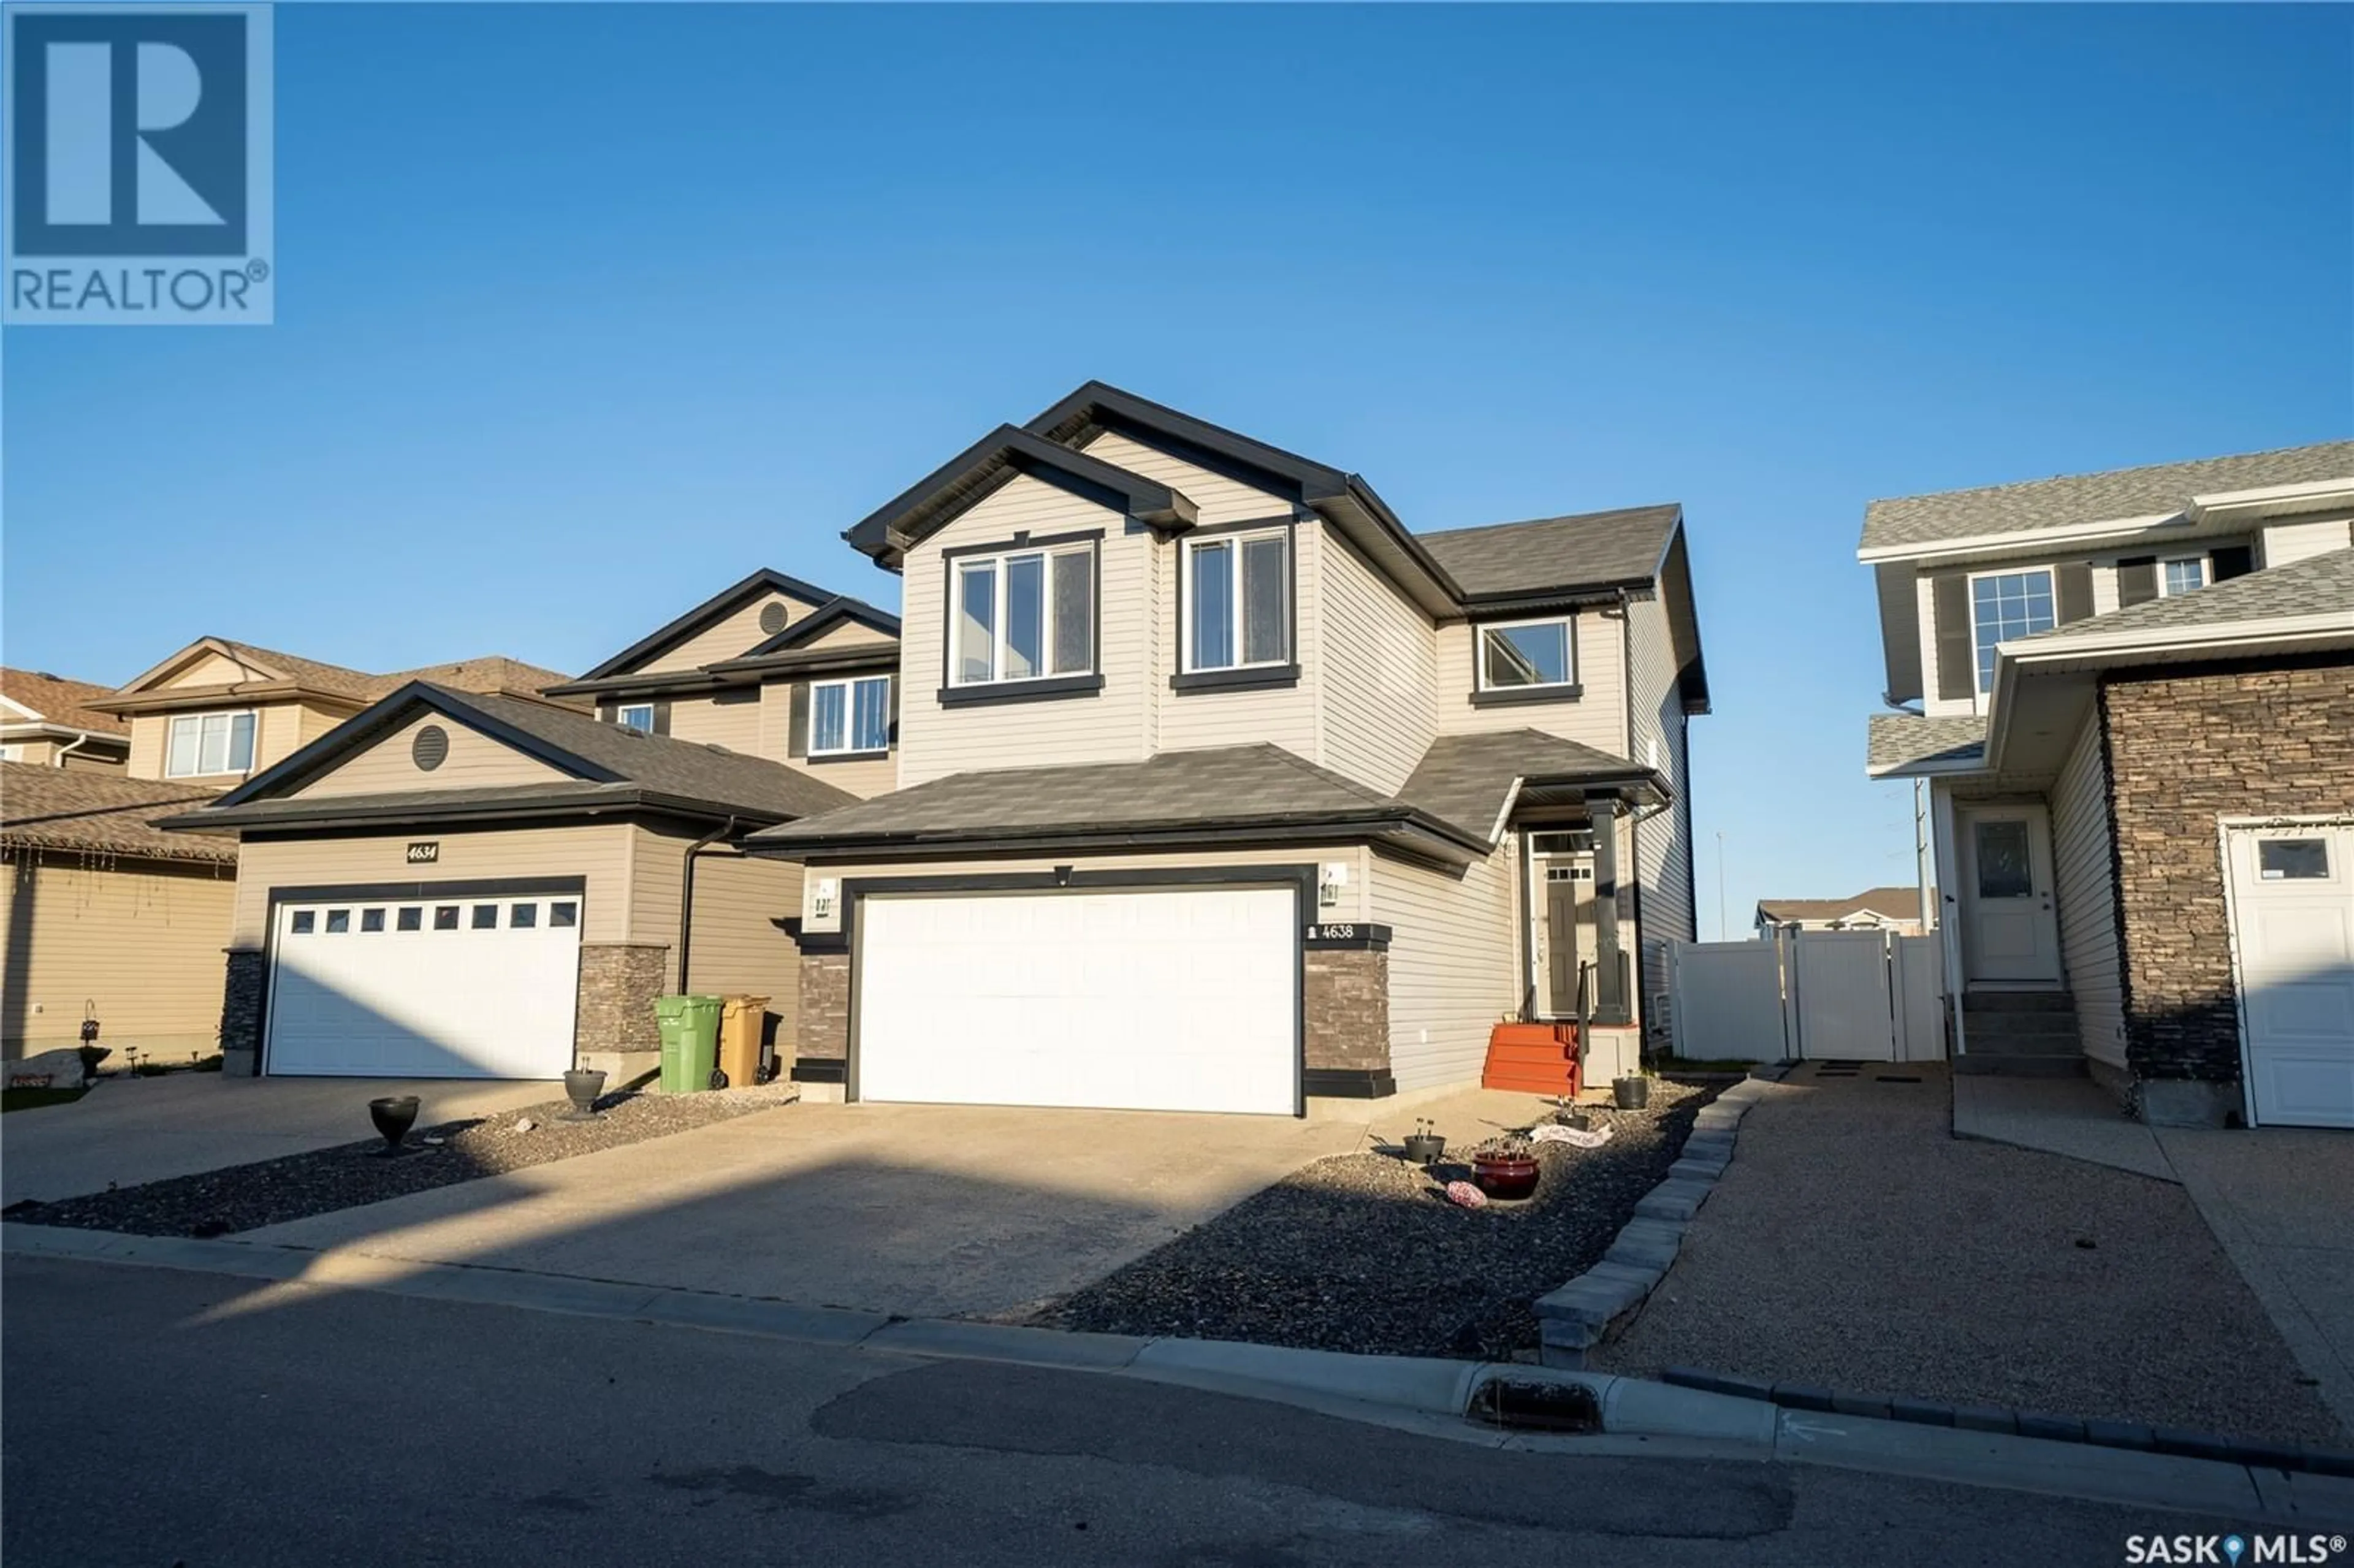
x=1852, y=996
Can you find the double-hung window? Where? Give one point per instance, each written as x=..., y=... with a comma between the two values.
x=1528, y=655
x=847, y=716
x=1026, y=615
x=204, y=744
x=2007, y=605
x=2187, y=575
x=1239, y=600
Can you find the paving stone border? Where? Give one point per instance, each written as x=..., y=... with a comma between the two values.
x=2008, y=1421
x=1586, y=1311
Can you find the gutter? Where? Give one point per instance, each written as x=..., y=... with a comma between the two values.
x=79, y=741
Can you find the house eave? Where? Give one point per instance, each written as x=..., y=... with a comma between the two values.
x=1405, y=833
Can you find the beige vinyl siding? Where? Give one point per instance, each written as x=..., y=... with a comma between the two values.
x=1597, y=718
x=1379, y=659
x=1453, y=965
x=847, y=634
x=599, y=852
x=1220, y=500
x=2286, y=542
x=738, y=948
x=1110, y=725
x=1285, y=715
x=728, y=638
x=1662, y=842
x=147, y=740
x=67, y=927
x=212, y=670
x=2082, y=871
x=729, y=718
x=1353, y=903
x=865, y=777
x=280, y=730
x=475, y=761
x=313, y=721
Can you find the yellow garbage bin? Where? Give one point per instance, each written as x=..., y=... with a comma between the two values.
x=740, y=1022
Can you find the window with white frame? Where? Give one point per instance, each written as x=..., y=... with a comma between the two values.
x=1239, y=600
x=1026, y=615
x=204, y=744
x=2187, y=575
x=2005, y=605
x=1526, y=654
x=639, y=717
x=850, y=716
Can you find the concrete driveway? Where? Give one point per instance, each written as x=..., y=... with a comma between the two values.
x=932, y=1210
x=127, y=1130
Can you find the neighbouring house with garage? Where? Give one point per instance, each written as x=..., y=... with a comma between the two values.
x=1218, y=788
x=46, y=720
x=2136, y=693
x=107, y=917
x=487, y=884
x=1896, y=910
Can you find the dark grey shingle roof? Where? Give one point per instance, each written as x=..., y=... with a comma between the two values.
x=2316, y=586
x=1262, y=783
x=1467, y=779
x=1544, y=553
x=2072, y=499
x=99, y=812
x=1908, y=740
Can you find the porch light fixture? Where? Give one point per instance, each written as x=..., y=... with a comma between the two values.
x=1330, y=877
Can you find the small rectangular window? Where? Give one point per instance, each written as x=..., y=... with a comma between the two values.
x=564, y=912
x=486, y=917
x=371, y=920
x=1075, y=612
x=2188, y=576
x=2292, y=860
x=639, y=717
x=976, y=622
x=445, y=916
x=2008, y=605
x=411, y=919
x=1239, y=604
x=305, y=921
x=1023, y=617
x=339, y=921
x=522, y=917
x=850, y=716
x=1536, y=654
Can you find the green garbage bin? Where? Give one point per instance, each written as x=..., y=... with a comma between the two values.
x=690, y=1041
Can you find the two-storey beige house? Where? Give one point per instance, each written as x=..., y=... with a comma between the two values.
x=45, y=720
x=492, y=878
x=1219, y=789
x=2132, y=693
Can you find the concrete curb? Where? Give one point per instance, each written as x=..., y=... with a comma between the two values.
x=1589, y=1309
x=2004, y=1420
x=1424, y=1395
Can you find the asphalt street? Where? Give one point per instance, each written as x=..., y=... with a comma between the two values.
x=154, y=1417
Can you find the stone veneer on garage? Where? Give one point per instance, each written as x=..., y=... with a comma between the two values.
x=619, y=984
x=240, y=1028
x=2187, y=744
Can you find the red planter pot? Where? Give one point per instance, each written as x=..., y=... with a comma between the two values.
x=1505, y=1176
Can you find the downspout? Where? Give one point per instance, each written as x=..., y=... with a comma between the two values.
x=80, y=740
x=1637, y=1003
x=686, y=895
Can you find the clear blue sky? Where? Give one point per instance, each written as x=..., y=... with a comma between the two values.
x=585, y=312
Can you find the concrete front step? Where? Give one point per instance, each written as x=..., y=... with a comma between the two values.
x=2034, y=1042
x=2014, y=1065
x=1977, y=1001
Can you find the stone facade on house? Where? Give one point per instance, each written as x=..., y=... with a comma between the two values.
x=825, y=1008
x=240, y=1028
x=619, y=984
x=2186, y=745
x=1345, y=997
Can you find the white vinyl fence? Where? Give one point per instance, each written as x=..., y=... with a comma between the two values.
x=1856, y=995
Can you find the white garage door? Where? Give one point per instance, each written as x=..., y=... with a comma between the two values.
x=426, y=988
x=2292, y=923
x=1147, y=1000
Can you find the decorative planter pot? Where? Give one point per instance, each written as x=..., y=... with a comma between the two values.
x=1505, y=1176
x=582, y=1085
x=1577, y=1121
x=1632, y=1092
x=394, y=1115
x=1422, y=1148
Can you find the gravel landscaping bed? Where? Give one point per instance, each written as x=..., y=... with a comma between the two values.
x=271, y=1191
x=1364, y=1253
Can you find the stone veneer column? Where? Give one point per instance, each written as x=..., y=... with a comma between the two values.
x=619, y=984
x=240, y=1025
x=1346, y=999
x=823, y=1049
x=2183, y=749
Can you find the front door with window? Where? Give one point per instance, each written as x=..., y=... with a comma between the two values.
x=1569, y=930
x=2009, y=931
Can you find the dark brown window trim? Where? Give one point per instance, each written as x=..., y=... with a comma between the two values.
x=1188, y=680
x=872, y=755
x=1019, y=543
x=1508, y=696
x=1020, y=691
x=1250, y=677
x=977, y=692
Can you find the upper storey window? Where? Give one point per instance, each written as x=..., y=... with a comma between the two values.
x=1238, y=592
x=2006, y=605
x=205, y=743
x=1024, y=615
x=1527, y=654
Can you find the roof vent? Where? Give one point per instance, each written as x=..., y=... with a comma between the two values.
x=773, y=616
x=429, y=748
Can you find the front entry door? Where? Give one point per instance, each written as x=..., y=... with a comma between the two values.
x=1569, y=924
x=2010, y=932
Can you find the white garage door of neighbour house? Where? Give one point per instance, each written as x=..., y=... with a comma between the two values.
x=2293, y=939
x=1159, y=1000
x=456, y=986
